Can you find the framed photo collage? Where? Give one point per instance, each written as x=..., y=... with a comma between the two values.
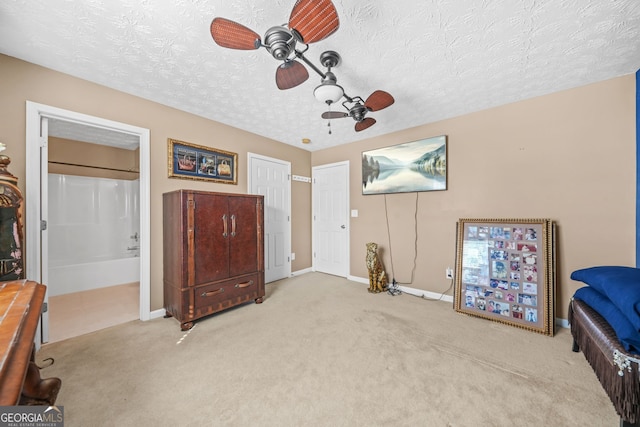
x=505, y=272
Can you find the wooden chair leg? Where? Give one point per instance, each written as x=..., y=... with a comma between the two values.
x=575, y=348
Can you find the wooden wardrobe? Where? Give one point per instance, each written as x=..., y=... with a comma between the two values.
x=213, y=252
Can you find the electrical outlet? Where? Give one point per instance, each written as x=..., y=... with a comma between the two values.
x=449, y=273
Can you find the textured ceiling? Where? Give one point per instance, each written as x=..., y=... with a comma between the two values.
x=438, y=58
x=91, y=134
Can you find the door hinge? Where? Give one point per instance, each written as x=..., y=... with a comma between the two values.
x=43, y=225
x=45, y=307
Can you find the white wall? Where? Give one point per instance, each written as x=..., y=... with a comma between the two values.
x=93, y=225
x=91, y=219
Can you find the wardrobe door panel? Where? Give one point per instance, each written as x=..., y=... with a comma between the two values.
x=210, y=238
x=243, y=250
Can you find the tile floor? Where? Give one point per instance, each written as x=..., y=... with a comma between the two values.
x=79, y=313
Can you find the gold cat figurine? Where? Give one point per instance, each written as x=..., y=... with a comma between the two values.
x=377, y=276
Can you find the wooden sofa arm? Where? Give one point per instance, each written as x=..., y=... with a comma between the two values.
x=617, y=370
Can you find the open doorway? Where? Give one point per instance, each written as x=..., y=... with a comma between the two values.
x=45, y=123
x=93, y=226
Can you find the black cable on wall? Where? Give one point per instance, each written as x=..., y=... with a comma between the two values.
x=415, y=252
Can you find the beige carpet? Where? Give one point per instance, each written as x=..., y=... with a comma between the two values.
x=322, y=351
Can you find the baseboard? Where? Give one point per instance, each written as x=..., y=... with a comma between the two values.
x=426, y=294
x=358, y=279
x=411, y=291
x=157, y=314
x=299, y=272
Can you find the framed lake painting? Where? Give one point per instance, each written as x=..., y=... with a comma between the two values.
x=405, y=168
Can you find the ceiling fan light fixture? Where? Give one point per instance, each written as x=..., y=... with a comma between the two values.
x=328, y=92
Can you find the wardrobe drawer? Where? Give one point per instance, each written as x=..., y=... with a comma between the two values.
x=226, y=293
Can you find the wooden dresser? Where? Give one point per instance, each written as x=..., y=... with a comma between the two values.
x=213, y=252
x=20, y=383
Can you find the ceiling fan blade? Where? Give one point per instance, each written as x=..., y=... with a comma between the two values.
x=290, y=74
x=334, y=115
x=232, y=35
x=364, y=124
x=378, y=100
x=314, y=20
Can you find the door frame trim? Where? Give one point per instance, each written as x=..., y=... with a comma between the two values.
x=34, y=113
x=286, y=163
x=347, y=215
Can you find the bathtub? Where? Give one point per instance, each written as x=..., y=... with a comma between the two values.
x=64, y=279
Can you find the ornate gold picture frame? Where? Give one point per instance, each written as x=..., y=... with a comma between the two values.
x=505, y=272
x=191, y=161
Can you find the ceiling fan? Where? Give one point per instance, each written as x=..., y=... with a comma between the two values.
x=357, y=109
x=329, y=92
x=310, y=21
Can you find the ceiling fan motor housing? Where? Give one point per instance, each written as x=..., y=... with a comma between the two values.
x=358, y=112
x=279, y=42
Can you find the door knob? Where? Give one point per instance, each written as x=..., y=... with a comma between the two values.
x=343, y=226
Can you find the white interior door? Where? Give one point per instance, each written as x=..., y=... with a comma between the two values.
x=44, y=234
x=331, y=219
x=271, y=178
